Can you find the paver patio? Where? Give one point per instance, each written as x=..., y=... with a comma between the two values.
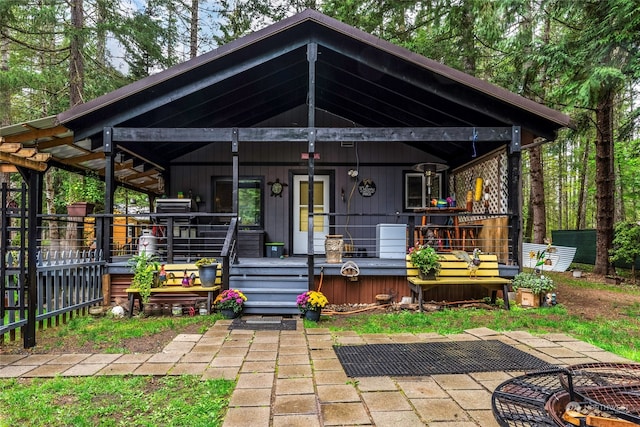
x=294, y=378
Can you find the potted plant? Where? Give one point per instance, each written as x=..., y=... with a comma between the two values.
x=145, y=271
x=426, y=260
x=311, y=303
x=230, y=303
x=531, y=287
x=207, y=271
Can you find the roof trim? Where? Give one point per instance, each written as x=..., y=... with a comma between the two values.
x=491, y=90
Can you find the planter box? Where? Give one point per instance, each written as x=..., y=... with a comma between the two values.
x=526, y=298
x=508, y=271
x=612, y=280
x=80, y=209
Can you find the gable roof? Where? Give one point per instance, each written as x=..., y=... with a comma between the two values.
x=258, y=78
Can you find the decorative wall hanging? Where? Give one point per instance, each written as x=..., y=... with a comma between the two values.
x=276, y=187
x=367, y=187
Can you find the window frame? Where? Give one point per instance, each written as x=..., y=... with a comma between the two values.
x=436, y=190
x=260, y=185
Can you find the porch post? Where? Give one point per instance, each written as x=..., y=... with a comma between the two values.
x=312, y=56
x=514, y=207
x=109, y=180
x=34, y=230
x=236, y=172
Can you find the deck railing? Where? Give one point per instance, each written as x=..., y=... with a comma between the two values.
x=389, y=235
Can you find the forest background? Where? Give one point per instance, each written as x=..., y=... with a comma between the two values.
x=581, y=57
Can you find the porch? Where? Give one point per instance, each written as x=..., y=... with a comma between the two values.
x=371, y=262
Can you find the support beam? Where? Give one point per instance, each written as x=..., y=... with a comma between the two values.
x=312, y=57
x=415, y=134
x=110, y=188
x=23, y=162
x=514, y=200
x=235, y=202
x=34, y=229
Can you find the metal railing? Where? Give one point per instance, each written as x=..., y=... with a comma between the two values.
x=390, y=235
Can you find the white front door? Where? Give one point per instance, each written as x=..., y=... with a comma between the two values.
x=301, y=210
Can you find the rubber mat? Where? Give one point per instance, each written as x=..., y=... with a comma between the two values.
x=265, y=325
x=460, y=357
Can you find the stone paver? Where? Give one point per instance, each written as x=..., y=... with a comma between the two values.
x=294, y=378
x=340, y=414
x=385, y=401
x=119, y=369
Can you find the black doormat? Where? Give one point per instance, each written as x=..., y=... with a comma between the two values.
x=460, y=357
x=264, y=324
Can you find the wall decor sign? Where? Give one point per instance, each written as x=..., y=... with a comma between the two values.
x=367, y=187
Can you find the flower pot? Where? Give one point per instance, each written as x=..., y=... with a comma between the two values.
x=313, y=315
x=207, y=274
x=80, y=209
x=431, y=275
x=228, y=313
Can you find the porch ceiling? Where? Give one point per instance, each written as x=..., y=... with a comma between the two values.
x=255, y=80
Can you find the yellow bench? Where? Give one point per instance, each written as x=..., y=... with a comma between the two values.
x=173, y=286
x=454, y=271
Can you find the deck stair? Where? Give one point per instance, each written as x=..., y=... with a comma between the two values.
x=270, y=285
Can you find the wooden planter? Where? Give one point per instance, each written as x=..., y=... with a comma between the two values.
x=612, y=280
x=80, y=209
x=526, y=298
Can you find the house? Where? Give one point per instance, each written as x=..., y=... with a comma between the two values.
x=237, y=142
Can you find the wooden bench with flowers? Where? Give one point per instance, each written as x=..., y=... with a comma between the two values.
x=454, y=269
x=180, y=281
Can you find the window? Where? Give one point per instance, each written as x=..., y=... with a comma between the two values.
x=416, y=192
x=250, y=200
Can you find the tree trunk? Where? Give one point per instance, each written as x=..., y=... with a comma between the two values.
x=581, y=219
x=538, y=208
x=193, y=39
x=76, y=61
x=604, y=182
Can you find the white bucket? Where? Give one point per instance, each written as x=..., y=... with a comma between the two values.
x=147, y=243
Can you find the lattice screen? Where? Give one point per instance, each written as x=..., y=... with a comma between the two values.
x=493, y=171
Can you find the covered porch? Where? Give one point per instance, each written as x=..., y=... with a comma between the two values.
x=304, y=129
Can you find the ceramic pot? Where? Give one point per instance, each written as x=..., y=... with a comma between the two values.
x=333, y=246
x=228, y=313
x=313, y=315
x=208, y=275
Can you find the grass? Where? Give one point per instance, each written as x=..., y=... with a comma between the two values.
x=114, y=401
x=110, y=332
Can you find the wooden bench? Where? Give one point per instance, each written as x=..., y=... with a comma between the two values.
x=454, y=272
x=173, y=286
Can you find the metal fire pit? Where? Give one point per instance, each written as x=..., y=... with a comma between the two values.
x=540, y=398
x=611, y=387
x=520, y=401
